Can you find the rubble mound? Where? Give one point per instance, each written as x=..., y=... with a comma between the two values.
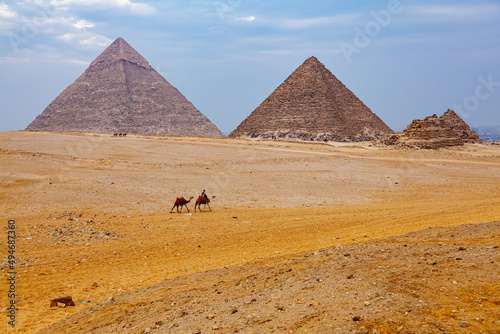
x=313, y=105
x=121, y=92
x=432, y=133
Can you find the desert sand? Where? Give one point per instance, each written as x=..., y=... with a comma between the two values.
x=351, y=221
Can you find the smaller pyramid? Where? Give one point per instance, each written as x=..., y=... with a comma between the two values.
x=461, y=128
x=431, y=133
x=312, y=104
x=434, y=132
x=121, y=92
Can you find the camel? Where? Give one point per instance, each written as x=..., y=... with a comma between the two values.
x=181, y=201
x=202, y=200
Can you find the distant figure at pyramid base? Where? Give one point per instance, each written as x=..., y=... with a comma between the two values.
x=119, y=92
x=312, y=104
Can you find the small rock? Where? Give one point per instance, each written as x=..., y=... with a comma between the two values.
x=462, y=248
x=280, y=308
x=463, y=324
x=94, y=285
x=350, y=276
x=67, y=300
x=356, y=318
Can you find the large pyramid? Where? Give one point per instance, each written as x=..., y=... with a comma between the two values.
x=120, y=92
x=312, y=104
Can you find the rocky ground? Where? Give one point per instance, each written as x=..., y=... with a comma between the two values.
x=93, y=222
x=440, y=280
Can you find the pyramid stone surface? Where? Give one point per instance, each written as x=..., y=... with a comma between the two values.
x=312, y=104
x=458, y=125
x=120, y=92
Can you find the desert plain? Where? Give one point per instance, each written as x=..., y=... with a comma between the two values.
x=301, y=237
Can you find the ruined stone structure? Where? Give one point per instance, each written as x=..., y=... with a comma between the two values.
x=312, y=104
x=121, y=92
x=434, y=132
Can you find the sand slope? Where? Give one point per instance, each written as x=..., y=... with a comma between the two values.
x=410, y=287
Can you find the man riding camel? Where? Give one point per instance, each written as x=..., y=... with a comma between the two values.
x=203, y=194
x=203, y=199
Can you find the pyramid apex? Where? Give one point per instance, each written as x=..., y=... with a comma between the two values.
x=450, y=112
x=121, y=50
x=313, y=60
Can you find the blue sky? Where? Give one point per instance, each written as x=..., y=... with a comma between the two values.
x=404, y=59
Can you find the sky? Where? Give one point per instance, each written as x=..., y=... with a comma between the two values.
x=404, y=59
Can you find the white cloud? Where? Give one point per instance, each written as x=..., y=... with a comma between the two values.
x=445, y=13
x=6, y=12
x=127, y=5
x=96, y=41
x=82, y=24
x=246, y=19
x=311, y=22
x=67, y=37
x=86, y=39
x=276, y=52
x=14, y=60
x=47, y=57
x=141, y=9
x=77, y=62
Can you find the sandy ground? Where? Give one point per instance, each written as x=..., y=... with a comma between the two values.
x=95, y=208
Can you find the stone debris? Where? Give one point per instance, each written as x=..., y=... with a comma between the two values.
x=62, y=301
x=77, y=230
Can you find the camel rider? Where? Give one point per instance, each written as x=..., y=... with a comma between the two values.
x=203, y=194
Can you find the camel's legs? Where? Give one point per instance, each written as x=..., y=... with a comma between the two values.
x=209, y=207
x=173, y=208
